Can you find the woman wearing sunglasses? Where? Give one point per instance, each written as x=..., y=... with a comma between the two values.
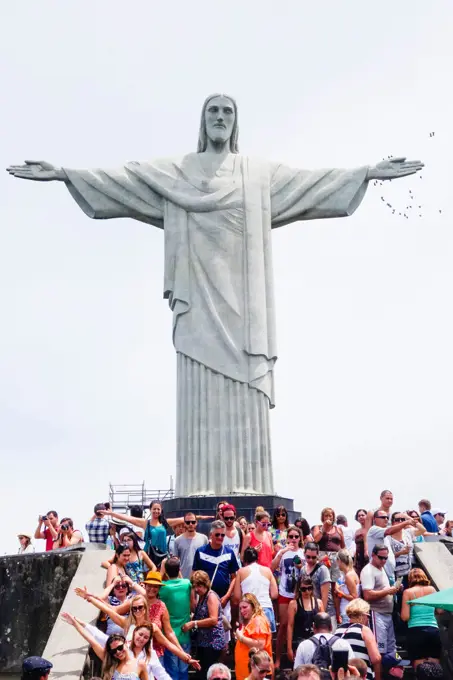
x=288, y=562
x=260, y=539
x=117, y=662
x=279, y=528
x=301, y=612
x=117, y=593
x=260, y=665
x=255, y=633
x=136, y=615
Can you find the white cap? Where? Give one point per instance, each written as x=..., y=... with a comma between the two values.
x=438, y=511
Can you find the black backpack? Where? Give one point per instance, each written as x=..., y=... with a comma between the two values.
x=322, y=656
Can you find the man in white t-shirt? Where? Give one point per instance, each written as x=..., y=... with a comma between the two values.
x=377, y=591
x=348, y=534
x=322, y=627
x=187, y=543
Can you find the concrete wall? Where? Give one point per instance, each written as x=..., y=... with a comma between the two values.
x=32, y=589
x=65, y=648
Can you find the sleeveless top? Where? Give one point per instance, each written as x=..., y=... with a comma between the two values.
x=235, y=543
x=209, y=637
x=157, y=536
x=258, y=585
x=303, y=621
x=421, y=615
x=124, y=676
x=135, y=570
x=266, y=552
x=352, y=633
x=343, y=601
x=278, y=536
x=330, y=542
x=155, y=613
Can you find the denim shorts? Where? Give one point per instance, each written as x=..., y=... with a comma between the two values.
x=270, y=616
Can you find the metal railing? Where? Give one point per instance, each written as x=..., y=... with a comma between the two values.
x=122, y=496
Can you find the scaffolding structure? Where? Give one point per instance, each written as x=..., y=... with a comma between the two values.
x=123, y=496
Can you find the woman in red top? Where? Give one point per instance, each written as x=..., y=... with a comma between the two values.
x=260, y=539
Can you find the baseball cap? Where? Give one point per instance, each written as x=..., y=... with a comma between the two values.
x=36, y=663
x=438, y=511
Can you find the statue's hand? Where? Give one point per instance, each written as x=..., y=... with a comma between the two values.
x=392, y=168
x=40, y=171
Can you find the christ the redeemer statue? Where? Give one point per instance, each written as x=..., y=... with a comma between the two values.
x=217, y=209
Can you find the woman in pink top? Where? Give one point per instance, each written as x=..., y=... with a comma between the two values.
x=260, y=539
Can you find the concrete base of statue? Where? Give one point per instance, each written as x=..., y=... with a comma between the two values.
x=244, y=504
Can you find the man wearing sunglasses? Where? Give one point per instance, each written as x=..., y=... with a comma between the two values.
x=379, y=593
x=233, y=534
x=378, y=533
x=219, y=562
x=187, y=544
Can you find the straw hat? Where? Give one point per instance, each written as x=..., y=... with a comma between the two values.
x=153, y=578
x=26, y=534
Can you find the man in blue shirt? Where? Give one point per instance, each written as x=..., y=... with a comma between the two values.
x=427, y=518
x=219, y=562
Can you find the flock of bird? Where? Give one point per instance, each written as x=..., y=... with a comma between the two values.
x=412, y=208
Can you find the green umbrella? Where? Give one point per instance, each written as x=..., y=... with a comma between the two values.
x=441, y=600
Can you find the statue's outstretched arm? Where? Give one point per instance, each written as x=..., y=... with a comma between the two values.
x=40, y=171
x=393, y=168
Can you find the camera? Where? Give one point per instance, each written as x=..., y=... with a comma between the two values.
x=64, y=527
x=43, y=518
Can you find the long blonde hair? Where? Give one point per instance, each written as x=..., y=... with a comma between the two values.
x=132, y=619
x=253, y=602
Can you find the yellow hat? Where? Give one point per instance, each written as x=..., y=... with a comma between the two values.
x=154, y=578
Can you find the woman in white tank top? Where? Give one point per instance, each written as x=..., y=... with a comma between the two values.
x=258, y=580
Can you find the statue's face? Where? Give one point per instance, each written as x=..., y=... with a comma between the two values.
x=219, y=119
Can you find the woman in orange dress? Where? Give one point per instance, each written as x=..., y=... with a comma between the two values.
x=254, y=633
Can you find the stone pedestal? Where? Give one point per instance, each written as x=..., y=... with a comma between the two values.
x=244, y=504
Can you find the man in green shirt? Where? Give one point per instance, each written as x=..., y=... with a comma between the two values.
x=175, y=593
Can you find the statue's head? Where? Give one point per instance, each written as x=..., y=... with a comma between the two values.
x=219, y=122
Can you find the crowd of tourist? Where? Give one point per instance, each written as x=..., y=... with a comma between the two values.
x=335, y=597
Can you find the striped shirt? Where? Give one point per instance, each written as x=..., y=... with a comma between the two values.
x=352, y=633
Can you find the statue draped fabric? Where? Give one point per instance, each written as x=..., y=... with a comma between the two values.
x=218, y=281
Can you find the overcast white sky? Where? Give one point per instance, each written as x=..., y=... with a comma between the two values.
x=364, y=305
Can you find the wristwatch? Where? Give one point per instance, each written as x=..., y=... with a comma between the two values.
x=195, y=625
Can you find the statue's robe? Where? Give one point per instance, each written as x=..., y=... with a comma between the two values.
x=218, y=280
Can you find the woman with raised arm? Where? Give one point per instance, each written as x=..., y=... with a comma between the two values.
x=67, y=535
x=117, y=663
x=138, y=616
x=155, y=528
x=120, y=590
